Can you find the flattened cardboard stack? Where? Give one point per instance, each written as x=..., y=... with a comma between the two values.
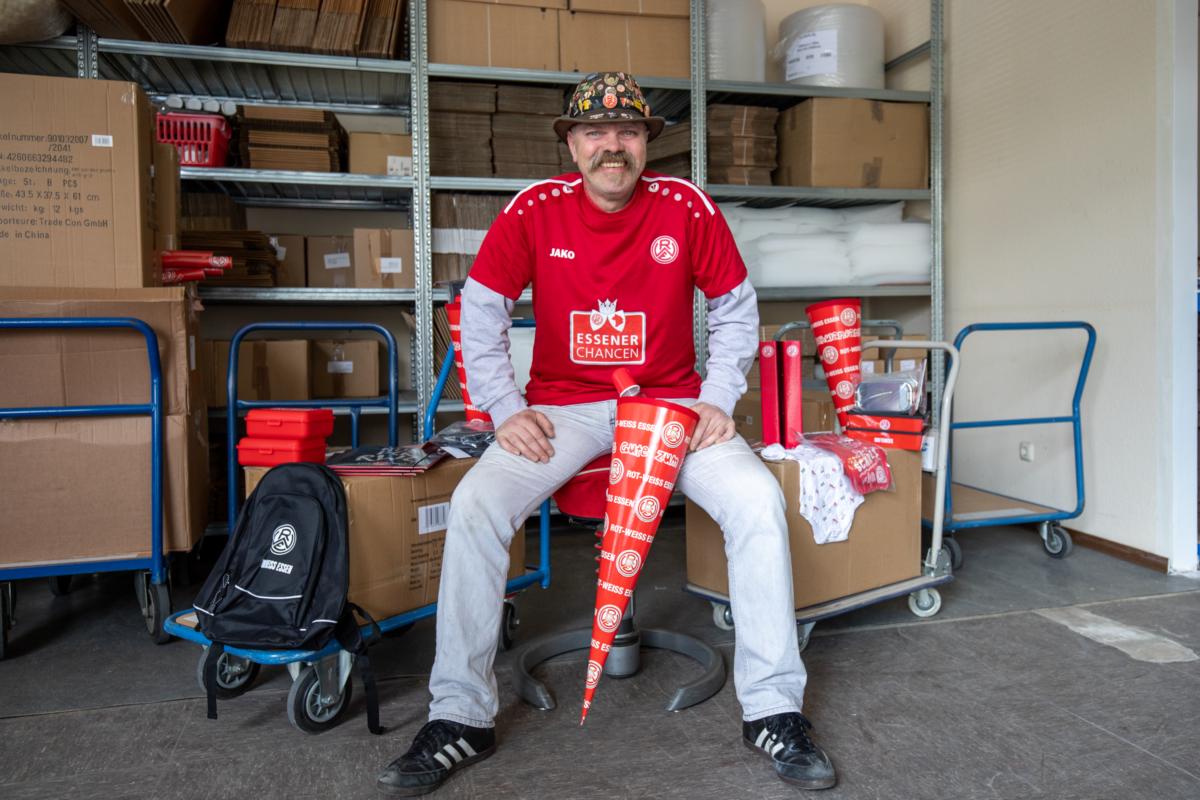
x=442, y=345
x=309, y=140
x=254, y=261
x=199, y=22
x=339, y=27
x=384, y=30
x=460, y=129
x=460, y=221
x=671, y=152
x=110, y=19
x=294, y=24
x=741, y=144
x=524, y=144
x=210, y=212
x=250, y=24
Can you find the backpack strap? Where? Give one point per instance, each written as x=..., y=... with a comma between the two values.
x=349, y=636
x=215, y=651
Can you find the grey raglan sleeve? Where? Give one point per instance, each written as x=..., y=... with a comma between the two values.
x=732, y=346
x=486, y=318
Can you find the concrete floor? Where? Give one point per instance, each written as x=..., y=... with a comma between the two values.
x=985, y=700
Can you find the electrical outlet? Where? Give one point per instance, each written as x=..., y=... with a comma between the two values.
x=1027, y=451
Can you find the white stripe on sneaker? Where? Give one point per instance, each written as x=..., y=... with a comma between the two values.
x=447, y=763
x=466, y=748
x=778, y=746
x=761, y=738
x=451, y=751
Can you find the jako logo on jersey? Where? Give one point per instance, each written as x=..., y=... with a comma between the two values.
x=608, y=336
x=283, y=540
x=664, y=250
x=558, y=252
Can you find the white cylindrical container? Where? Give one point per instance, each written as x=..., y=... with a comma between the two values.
x=736, y=32
x=835, y=45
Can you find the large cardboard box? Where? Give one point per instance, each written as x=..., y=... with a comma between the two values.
x=290, y=252
x=381, y=154
x=818, y=410
x=384, y=258
x=75, y=185
x=57, y=367
x=884, y=545
x=655, y=8
x=345, y=368
x=658, y=46
x=397, y=533
x=747, y=416
x=853, y=143
x=492, y=35
x=267, y=370
x=904, y=358
x=330, y=262
x=79, y=488
x=531, y=3
x=168, y=205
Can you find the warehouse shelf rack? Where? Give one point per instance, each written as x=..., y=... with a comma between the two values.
x=372, y=86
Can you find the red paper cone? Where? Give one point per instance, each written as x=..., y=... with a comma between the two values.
x=454, y=311
x=651, y=439
x=194, y=258
x=173, y=276
x=837, y=327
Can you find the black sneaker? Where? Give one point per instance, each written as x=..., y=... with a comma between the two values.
x=783, y=740
x=441, y=747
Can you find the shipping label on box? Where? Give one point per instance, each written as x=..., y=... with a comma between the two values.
x=384, y=258
x=330, y=263
x=381, y=154
x=75, y=184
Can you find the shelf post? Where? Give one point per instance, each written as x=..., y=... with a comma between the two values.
x=699, y=161
x=419, y=211
x=937, y=289
x=86, y=51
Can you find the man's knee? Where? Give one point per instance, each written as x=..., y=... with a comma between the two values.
x=480, y=505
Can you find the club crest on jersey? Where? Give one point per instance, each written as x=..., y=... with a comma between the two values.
x=607, y=335
x=664, y=249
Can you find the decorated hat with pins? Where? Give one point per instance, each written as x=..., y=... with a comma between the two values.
x=608, y=97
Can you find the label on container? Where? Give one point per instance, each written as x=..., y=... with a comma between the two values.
x=908, y=363
x=814, y=53
x=867, y=368
x=337, y=260
x=339, y=367
x=101, y=141
x=280, y=252
x=454, y=451
x=394, y=265
x=431, y=519
x=399, y=166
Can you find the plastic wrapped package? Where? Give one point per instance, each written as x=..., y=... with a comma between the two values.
x=876, y=265
x=737, y=40
x=32, y=20
x=471, y=437
x=900, y=392
x=789, y=260
x=834, y=45
x=866, y=465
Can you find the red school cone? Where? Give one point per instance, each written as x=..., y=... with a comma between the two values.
x=837, y=327
x=454, y=313
x=649, y=445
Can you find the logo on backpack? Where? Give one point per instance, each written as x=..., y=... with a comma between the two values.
x=283, y=540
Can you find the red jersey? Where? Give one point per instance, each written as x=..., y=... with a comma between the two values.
x=610, y=290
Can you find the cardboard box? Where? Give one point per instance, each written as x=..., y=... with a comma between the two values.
x=384, y=258
x=492, y=35
x=330, y=262
x=345, y=368
x=290, y=251
x=75, y=185
x=79, y=488
x=747, y=417
x=57, y=367
x=853, y=143
x=819, y=413
x=395, y=566
x=381, y=154
x=267, y=370
x=884, y=545
x=658, y=46
x=903, y=358
x=656, y=8
x=531, y=3
x=168, y=204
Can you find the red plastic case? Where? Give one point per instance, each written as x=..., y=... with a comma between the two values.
x=889, y=439
x=896, y=423
x=289, y=423
x=254, y=452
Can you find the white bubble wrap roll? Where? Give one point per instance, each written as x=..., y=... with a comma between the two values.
x=835, y=45
x=736, y=32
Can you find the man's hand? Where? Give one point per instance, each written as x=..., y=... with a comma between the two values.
x=714, y=427
x=528, y=433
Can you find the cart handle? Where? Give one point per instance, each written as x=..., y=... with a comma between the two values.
x=866, y=323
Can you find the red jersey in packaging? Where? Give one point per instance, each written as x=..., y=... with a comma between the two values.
x=610, y=290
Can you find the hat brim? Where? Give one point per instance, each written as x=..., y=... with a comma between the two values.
x=654, y=125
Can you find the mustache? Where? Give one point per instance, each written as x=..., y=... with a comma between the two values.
x=623, y=157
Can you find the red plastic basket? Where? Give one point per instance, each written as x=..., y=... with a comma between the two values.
x=201, y=140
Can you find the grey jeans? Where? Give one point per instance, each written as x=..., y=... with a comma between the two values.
x=727, y=480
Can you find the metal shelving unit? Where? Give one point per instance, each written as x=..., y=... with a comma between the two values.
x=372, y=86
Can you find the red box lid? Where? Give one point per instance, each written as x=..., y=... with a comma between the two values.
x=290, y=414
x=265, y=445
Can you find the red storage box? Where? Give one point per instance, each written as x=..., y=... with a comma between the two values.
x=289, y=423
x=254, y=452
x=890, y=439
x=202, y=140
x=877, y=421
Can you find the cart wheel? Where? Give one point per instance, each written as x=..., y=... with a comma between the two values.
x=1058, y=542
x=925, y=606
x=305, y=709
x=6, y=616
x=60, y=585
x=234, y=675
x=156, y=610
x=723, y=616
x=954, y=550
x=508, y=626
x=804, y=633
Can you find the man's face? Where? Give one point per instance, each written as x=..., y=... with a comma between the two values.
x=611, y=156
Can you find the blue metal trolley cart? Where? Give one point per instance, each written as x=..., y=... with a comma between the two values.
x=924, y=600
x=153, y=590
x=321, y=689
x=979, y=508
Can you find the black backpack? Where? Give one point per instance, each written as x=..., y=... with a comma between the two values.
x=281, y=582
